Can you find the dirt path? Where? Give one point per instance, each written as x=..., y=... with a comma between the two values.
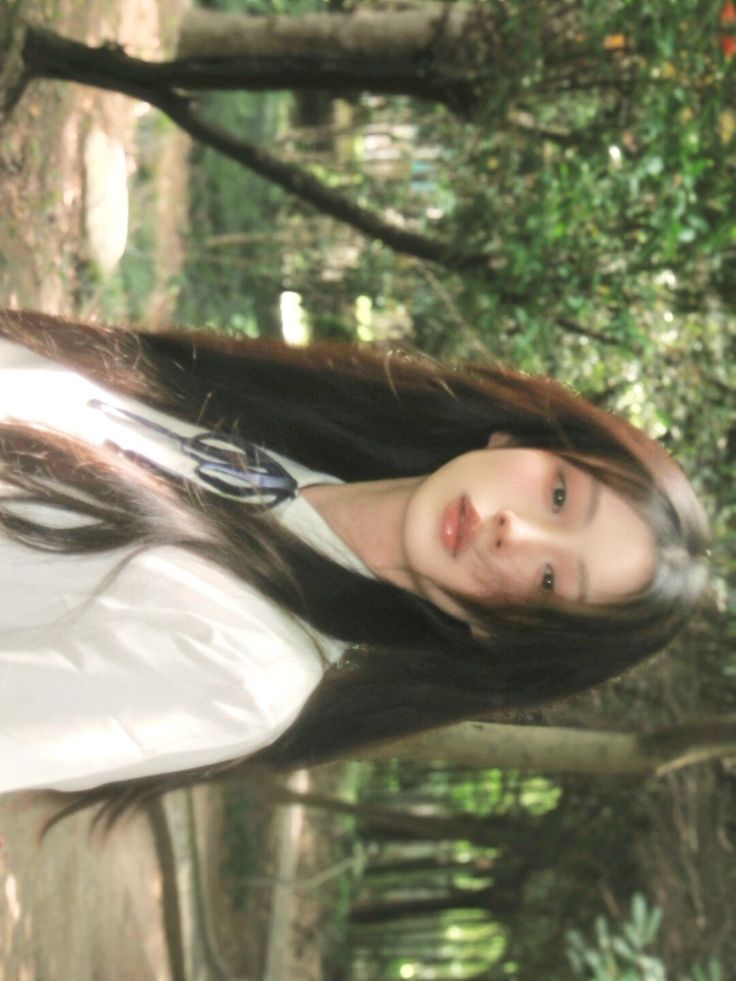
x=59, y=201
x=73, y=909
x=79, y=909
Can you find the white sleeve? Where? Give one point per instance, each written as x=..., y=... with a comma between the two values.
x=177, y=664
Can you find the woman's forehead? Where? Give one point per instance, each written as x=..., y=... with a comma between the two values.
x=618, y=550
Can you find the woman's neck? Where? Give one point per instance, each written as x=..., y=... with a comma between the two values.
x=369, y=518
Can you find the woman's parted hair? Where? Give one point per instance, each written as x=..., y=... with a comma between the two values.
x=360, y=415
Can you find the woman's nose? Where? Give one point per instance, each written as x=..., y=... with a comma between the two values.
x=512, y=531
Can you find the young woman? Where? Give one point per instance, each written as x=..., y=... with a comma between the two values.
x=215, y=551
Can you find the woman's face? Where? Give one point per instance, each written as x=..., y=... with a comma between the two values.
x=512, y=524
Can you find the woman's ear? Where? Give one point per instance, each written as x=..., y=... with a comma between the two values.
x=500, y=440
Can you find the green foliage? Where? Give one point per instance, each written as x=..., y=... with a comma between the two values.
x=627, y=956
x=598, y=166
x=236, y=288
x=622, y=955
x=710, y=971
x=241, y=846
x=220, y=287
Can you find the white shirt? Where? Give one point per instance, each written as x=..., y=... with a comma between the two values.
x=176, y=664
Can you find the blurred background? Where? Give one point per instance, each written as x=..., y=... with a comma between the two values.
x=570, y=168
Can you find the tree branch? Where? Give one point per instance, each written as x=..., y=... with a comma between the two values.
x=572, y=327
x=50, y=56
x=14, y=75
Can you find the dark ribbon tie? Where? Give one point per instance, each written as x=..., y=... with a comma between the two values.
x=228, y=464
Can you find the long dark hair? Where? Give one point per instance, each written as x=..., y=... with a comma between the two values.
x=361, y=415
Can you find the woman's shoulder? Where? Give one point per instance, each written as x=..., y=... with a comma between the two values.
x=180, y=583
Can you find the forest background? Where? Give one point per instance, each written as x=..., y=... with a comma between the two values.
x=576, y=164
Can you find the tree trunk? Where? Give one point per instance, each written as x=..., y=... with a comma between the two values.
x=486, y=899
x=435, y=865
x=439, y=53
x=435, y=52
x=553, y=749
x=405, y=824
x=362, y=35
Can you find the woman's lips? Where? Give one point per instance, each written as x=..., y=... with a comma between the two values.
x=460, y=522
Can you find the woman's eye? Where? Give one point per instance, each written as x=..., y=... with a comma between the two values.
x=548, y=579
x=559, y=494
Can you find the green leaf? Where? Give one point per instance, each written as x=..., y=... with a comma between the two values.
x=639, y=912
x=652, y=927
